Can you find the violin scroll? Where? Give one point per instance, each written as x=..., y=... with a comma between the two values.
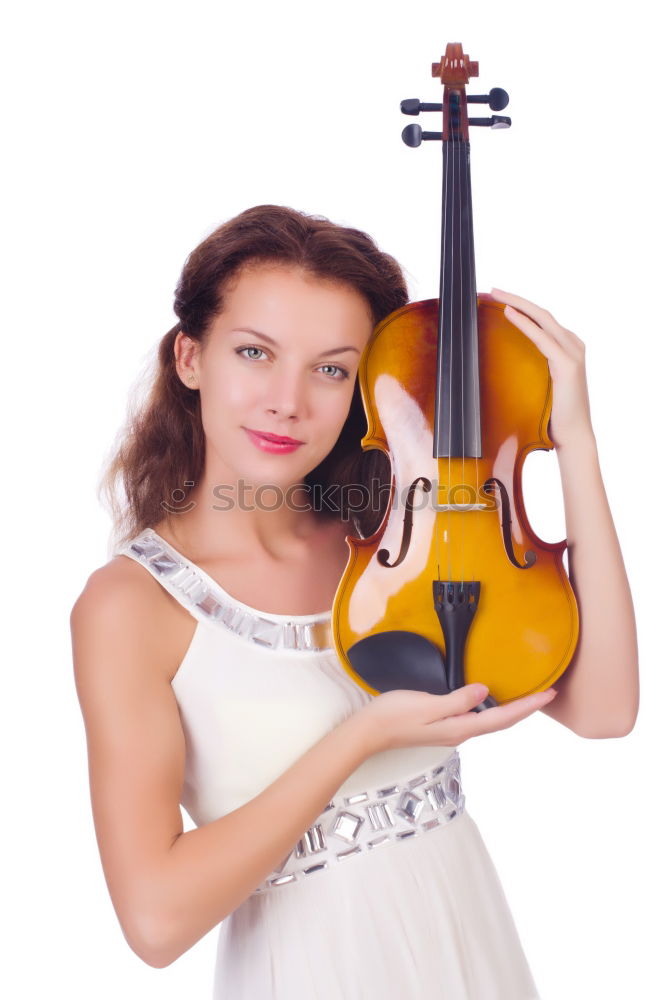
x=455, y=67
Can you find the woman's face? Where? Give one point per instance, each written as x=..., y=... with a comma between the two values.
x=281, y=358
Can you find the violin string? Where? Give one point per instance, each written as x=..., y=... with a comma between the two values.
x=476, y=393
x=474, y=359
x=463, y=243
x=442, y=314
x=440, y=327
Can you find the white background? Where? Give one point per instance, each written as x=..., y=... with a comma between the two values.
x=133, y=129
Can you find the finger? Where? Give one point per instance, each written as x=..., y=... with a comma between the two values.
x=555, y=347
x=492, y=720
x=541, y=316
x=503, y=716
x=548, y=345
x=457, y=702
x=464, y=698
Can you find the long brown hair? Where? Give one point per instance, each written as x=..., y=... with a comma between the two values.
x=161, y=447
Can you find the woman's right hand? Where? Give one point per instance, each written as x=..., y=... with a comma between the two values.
x=406, y=718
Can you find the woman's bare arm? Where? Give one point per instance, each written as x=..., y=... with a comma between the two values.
x=169, y=888
x=599, y=692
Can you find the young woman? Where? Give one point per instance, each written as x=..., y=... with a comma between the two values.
x=331, y=837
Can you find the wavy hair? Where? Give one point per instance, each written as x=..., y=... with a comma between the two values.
x=162, y=443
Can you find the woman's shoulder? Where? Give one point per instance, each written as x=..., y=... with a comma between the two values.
x=122, y=582
x=123, y=595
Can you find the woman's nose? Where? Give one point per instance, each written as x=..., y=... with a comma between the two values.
x=287, y=395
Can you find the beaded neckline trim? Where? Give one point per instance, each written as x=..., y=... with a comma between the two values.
x=207, y=602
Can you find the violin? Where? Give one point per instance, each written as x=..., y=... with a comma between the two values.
x=454, y=587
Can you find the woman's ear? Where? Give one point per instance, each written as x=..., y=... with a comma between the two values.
x=186, y=351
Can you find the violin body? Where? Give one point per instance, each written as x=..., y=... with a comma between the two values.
x=526, y=624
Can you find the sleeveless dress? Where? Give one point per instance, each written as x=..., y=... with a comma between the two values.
x=392, y=892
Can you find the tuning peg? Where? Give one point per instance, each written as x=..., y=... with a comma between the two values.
x=497, y=99
x=496, y=121
x=413, y=135
x=412, y=106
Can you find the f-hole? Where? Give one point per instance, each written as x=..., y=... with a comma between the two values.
x=490, y=485
x=383, y=554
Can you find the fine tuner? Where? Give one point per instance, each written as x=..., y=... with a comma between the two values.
x=413, y=135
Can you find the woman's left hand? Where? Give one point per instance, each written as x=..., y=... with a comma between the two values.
x=565, y=354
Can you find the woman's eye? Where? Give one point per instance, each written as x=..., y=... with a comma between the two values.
x=242, y=349
x=343, y=372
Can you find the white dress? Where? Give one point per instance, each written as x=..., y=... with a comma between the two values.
x=405, y=911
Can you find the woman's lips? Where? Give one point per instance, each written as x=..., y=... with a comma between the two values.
x=272, y=444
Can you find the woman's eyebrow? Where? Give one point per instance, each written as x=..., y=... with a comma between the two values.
x=270, y=340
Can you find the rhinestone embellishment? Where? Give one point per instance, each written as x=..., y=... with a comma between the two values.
x=205, y=602
x=366, y=820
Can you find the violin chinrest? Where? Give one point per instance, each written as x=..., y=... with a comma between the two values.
x=396, y=660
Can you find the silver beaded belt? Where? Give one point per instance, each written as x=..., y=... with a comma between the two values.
x=366, y=820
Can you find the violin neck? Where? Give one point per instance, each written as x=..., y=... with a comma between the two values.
x=457, y=406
